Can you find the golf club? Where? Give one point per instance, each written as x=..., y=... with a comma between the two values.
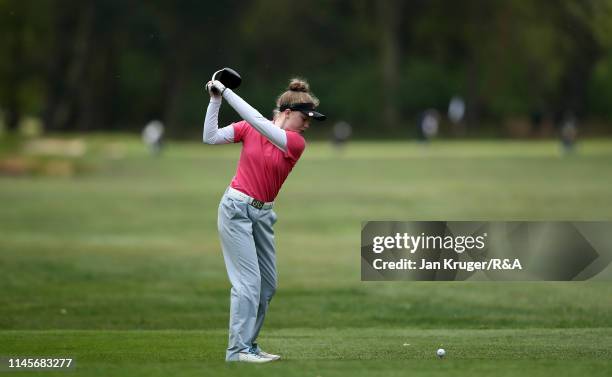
x=228, y=77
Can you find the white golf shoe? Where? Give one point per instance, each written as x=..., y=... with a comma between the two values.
x=256, y=350
x=249, y=357
x=270, y=356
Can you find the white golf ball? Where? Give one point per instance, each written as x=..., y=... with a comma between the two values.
x=441, y=353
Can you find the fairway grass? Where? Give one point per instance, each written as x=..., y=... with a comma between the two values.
x=119, y=266
x=327, y=352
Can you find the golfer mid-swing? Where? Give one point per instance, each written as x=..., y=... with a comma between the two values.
x=270, y=149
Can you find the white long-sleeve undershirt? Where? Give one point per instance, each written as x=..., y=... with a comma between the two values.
x=213, y=135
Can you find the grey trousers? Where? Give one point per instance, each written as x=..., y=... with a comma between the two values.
x=247, y=240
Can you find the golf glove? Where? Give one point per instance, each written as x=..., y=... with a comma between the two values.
x=215, y=88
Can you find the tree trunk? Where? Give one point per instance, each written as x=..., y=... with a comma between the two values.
x=574, y=82
x=83, y=72
x=173, y=84
x=67, y=66
x=16, y=70
x=389, y=19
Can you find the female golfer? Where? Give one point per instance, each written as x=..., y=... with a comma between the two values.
x=270, y=149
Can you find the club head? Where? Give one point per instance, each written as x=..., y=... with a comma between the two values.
x=228, y=77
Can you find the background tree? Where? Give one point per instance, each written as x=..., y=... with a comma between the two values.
x=110, y=65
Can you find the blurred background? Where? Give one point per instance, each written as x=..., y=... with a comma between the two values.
x=438, y=110
x=521, y=68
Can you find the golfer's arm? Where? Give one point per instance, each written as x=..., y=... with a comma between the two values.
x=212, y=134
x=276, y=135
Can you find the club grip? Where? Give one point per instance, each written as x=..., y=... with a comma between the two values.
x=214, y=90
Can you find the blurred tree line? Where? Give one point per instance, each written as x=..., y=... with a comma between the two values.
x=84, y=65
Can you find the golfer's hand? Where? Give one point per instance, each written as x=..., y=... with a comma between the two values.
x=215, y=89
x=212, y=94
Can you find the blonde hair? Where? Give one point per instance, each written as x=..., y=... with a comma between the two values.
x=298, y=91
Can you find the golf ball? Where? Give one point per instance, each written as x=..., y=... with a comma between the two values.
x=440, y=352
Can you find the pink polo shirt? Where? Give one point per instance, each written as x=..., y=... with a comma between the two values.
x=263, y=167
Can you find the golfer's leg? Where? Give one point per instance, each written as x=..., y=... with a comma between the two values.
x=263, y=234
x=235, y=231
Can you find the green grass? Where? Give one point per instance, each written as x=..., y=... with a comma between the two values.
x=312, y=352
x=120, y=266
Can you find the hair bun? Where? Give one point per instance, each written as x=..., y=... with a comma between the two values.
x=297, y=85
